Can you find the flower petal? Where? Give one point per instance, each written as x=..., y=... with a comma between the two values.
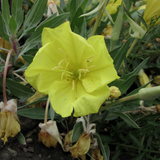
x=73, y=45
x=62, y=96
x=41, y=68
x=88, y=103
x=104, y=71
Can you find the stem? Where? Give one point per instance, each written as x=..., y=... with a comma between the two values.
x=97, y=21
x=4, y=77
x=46, y=111
x=130, y=49
x=119, y=101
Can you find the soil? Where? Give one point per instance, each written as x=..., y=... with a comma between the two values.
x=33, y=150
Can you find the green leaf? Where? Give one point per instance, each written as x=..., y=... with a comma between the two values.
x=12, y=25
x=77, y=131
x=37, y=101
x=139, y=157
x=23, y=68
x=51, y=22
x=136, y=90
x=18, y=89
x=3, y=29
x=117, y=27
x=21, y=139
x=34, y=15
x=135, y=140
x=103, y=150
x=34, y=113
x=5, y=11
x=127, y=119
x=121, y=55
x=126, y=81
x=79, y=22
x=17, y=12
x=28, y=58
x=115, y=157
x=62, y=4
x=74, y=5
x=85, y=5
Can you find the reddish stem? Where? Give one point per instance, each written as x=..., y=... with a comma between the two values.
x=4, y=77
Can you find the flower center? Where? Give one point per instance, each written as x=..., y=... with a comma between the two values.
x=69, y=73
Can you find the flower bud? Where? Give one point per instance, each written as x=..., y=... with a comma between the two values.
x=68, y=141
x=35, y=97
x=149, y=93
x=96, y=154
x=82, y=146
x=47, y=139
x=156, y=79
x=9, y=126
x=115, y=92
x=143, y=78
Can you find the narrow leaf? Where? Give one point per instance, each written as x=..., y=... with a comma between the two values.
x=127, y=119
x=3, y=29
x=35, y=14
x=77, y=131
x=34, y=113
x=12, y=25
x=18, y=89
x=105, y=156
x=5, y=11
x=51, y=22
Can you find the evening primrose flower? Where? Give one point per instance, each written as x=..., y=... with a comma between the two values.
x=113, y=5
x=73, y=71
x=152, y=11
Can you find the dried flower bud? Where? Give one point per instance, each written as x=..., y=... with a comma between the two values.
x=96, y=154
x=9, y=126
x=158, y=108
x=156, y=79
x=47, y=139
x=115, y=92
x=35, y=97
x=68, y=141
x=82, y=146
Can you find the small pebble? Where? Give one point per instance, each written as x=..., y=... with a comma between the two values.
x=29, y=140
x=13, y=152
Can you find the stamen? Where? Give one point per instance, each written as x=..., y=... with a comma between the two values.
x=63, y=52
x=91, y=66
x=73, y=84
x=64, y=71
x=82, y=71
x=62, y=61
x=57, y=67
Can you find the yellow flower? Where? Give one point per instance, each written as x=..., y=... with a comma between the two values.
x=9, y=126
x=152, y=10
x=107, y=31
x=73, y=71
x=113, y=5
